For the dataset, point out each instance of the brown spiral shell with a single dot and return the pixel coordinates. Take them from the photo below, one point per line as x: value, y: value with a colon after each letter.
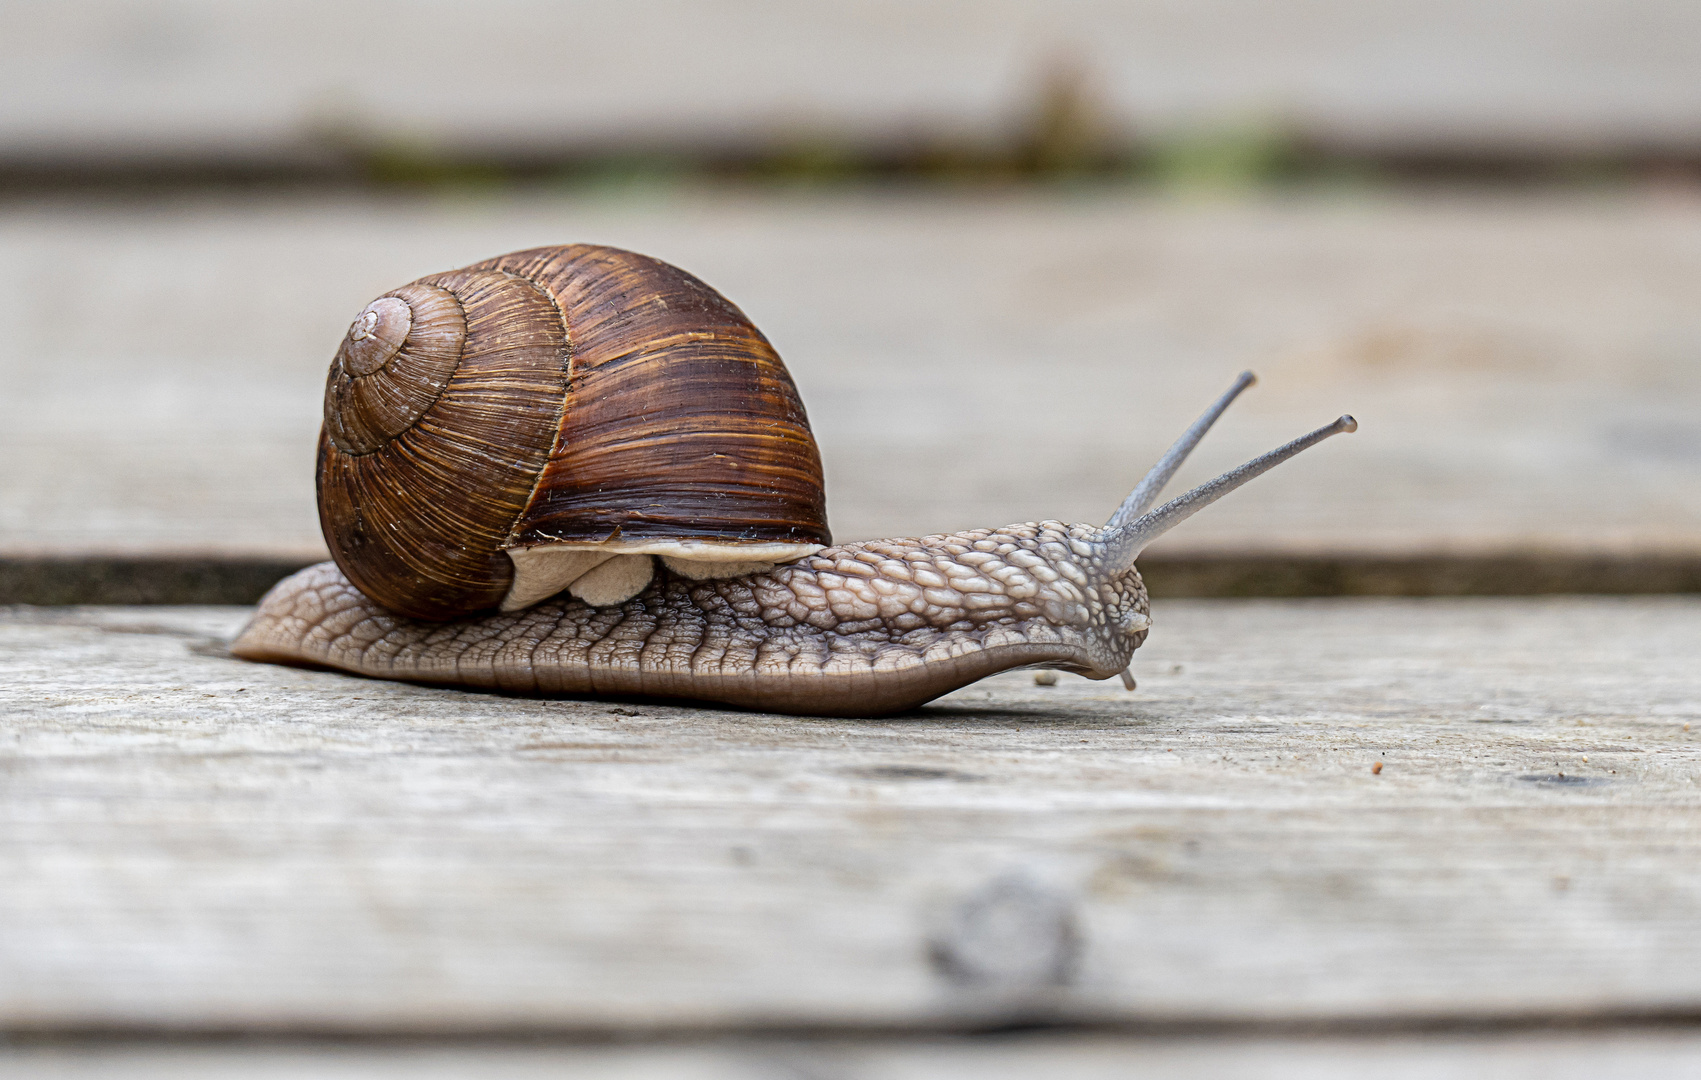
x: 576, y: 393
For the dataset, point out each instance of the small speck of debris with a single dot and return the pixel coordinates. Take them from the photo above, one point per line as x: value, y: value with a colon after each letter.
x: 1045, y: 678
x: 1561, y: 882
x: 1175, y: 669
x: 1686, y: 727
x: 1376, y: 769
x: 1585, y: 757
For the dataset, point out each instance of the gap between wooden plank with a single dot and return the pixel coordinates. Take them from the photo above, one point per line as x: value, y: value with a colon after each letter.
x: 438, y: 1034
x: 95, y: 579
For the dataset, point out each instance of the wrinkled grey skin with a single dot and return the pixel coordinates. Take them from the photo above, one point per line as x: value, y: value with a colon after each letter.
x: 859, y: 630
x: 863, y: 629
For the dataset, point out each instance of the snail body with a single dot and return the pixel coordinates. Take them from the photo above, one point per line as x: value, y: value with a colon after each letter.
x: 859, y: 630
x: 706, y: 574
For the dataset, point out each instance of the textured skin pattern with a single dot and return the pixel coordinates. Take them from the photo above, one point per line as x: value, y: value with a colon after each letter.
x: 859, y: 630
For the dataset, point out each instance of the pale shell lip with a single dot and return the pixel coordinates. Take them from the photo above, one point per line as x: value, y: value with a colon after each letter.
x: 701, y: 550
x: 542, y: 570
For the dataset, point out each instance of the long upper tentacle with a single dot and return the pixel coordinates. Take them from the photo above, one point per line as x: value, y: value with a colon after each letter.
x: 1146, y: 492
x: 1127, y: 541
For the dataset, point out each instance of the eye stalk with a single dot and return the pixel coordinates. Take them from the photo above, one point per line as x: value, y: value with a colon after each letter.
x: 1133, y: 526
x: 1146, y: 492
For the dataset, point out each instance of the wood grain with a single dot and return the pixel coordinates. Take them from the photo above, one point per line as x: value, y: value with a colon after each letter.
x: 1522, y: 368
x: 1631, y: 1054
x: 190, y: 842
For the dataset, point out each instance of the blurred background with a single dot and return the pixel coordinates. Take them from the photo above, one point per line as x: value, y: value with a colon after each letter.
x: 1008, y: 249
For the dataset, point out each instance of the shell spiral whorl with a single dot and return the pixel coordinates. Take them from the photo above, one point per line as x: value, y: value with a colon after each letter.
x: 426, y: 462
x: 393, y: 365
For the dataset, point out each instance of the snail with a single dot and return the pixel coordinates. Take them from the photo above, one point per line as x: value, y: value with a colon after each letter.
x: 581, y: 471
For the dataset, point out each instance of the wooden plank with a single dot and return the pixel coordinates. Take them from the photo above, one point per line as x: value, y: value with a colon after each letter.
x: 1631, y: 1054
x: 193, y: 843
x: 265, y: 82
x: 1519, y: 366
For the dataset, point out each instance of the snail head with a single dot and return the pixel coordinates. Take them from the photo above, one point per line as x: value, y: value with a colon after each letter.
x: 1101, y: 561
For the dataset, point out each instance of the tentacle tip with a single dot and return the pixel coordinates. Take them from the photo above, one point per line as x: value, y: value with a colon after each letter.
x: 1246, y: 379
x: 1346, y: 424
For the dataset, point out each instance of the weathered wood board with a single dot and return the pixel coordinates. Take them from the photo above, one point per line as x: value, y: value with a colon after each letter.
x: 267, y: 81
x: 1630, y: 1054
x: 191, y: 842
x: 1527, y: 372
